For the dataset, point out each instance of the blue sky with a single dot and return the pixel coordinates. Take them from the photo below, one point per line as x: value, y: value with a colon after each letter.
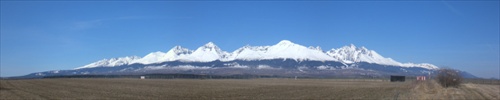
x: 51, y: 35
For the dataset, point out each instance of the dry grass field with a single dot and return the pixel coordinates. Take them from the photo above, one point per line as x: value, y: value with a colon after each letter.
x: 431, y: 90
x: 234, y: 89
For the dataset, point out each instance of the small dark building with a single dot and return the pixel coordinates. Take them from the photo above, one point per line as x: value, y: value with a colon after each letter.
x: 397, y: 78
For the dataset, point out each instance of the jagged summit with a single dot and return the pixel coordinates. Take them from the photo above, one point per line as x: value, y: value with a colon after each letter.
x: 210, y: 45
x: 206, y: 53
x: 316, y: 48
x: 179, y: 50
x: 177, y: 47
x: 158, y: 56
x: 284, y: 49
x: 353, y: 54
x: 351, y: 46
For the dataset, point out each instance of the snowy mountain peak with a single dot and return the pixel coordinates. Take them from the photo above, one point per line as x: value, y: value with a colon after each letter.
x: 353, y: 48
x: 210, y: 45
x: 285, y: 42
x: 158, y: 56
x: 352, y: 45
x: 316, y: 48
x: 246, y: 46
x: 206, y: 53
x: 285, y: 49
x: 111, y: 62
x: 363, y: 48
x: 179, y: 50
x: 132, y: 57
x: 353, y: 54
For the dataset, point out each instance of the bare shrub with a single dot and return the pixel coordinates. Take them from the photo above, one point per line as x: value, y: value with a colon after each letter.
x: 449, y: 77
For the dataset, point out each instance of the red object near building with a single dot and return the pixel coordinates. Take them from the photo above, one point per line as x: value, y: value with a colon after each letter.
x: 420, y: 78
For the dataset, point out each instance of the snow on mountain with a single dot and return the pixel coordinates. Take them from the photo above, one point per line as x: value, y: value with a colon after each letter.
x: 158, y: 57
x: 249, y: 53
x: 423, y: 65
x: 316, y: 48
x: 206, y: 53
x: 284, y: 49
x: 352, y: 54
x: 288, y: 49
x: 111, y: 62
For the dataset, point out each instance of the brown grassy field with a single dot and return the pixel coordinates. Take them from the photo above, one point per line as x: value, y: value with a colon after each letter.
x: 430, y: 90
x: 233, y: 89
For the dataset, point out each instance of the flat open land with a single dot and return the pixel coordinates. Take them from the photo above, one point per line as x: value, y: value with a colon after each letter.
x: 430, y: 90
x: 237, y: 89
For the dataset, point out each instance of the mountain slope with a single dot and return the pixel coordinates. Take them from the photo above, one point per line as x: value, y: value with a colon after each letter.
x: 111, y: 62
x: 284, y: 49
x: 158, y: 57
x: 353, y: 54
x: 206, y: 53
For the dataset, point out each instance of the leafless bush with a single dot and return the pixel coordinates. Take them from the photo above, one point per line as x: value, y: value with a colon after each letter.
x: 449, y: 77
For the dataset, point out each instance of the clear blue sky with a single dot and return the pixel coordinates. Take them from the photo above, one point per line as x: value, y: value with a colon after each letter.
x: 53, y: 35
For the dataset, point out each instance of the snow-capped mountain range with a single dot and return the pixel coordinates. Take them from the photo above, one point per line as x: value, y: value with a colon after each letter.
x: 285, y: 49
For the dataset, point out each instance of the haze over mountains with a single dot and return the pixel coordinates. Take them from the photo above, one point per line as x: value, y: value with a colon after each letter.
x: 283, y: 59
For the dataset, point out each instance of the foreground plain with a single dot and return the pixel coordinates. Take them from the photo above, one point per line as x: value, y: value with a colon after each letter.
x: 235, y: 89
